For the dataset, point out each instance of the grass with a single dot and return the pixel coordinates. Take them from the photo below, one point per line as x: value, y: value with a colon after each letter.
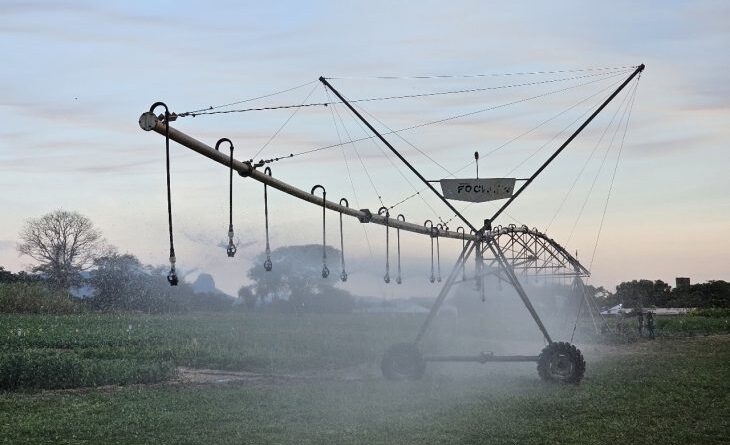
x: 240, y: 342
x: 671, y: 390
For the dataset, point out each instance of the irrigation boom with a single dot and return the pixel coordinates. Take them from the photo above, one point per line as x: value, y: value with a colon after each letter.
x: 247, y: 170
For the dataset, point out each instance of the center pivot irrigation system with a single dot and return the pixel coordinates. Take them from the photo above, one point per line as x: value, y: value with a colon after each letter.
x: 501, y: 252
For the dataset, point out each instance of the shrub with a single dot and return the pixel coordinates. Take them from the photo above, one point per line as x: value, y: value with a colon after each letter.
x: 716, y: 312
x: 35, y: 298
x: 36, y: 369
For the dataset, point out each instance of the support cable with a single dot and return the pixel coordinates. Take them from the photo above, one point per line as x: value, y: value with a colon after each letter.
x: 623, y: 107
x: 407, y: 142
x: 577, y: 316
x: 384, y: 141
x: 446, y: 119
x: 195, y: 112
x: 575, y: 134
x: 468, y: 76
x: 293, y: 113
x: 553, y: 118
x: 613, y: 175
x: 354, y: 193
x: 333, y: 111
x: 575, y: 181
x: 402, y: 175
x: 516, y: 138
x: 210, y: 110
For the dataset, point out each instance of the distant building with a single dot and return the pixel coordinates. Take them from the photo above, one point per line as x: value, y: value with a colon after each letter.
x: 682, y: 284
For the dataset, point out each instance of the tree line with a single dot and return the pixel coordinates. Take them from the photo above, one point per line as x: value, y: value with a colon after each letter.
x: 657, y: 293
x: 70, y: 251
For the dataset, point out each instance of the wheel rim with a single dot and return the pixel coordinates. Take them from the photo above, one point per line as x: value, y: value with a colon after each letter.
x: 561, y: 366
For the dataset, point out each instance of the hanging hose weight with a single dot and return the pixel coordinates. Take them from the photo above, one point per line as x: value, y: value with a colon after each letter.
x: 231, y: 248
x: 400, y: 217
x: 343, y: 274
x: 428, y: 223
x: 325, y: 269
x: 383, y: 211
x: 268, y: 265
x: 149, y: 120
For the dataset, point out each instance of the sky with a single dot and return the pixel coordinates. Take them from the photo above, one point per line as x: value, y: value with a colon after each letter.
x: 77, y: 75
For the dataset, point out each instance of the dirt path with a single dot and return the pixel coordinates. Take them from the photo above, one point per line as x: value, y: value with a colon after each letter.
x: 190, y: 376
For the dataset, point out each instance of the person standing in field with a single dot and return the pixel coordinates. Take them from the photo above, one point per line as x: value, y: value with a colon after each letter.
x: 650, y: 324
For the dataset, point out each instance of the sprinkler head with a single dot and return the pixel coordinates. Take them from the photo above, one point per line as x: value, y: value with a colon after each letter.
x: 343, y: 276
x: 231, y: 249
x: 268, y: 265
x: 325, y: 271
x: 386, y: 278
x: 172, y: 278
x: 398, y: 280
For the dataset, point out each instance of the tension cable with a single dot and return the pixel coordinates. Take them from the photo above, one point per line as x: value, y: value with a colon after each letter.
x: 191, y: 113
x: 615, y: 168
x: 446, y: 119
x: 468, y: 76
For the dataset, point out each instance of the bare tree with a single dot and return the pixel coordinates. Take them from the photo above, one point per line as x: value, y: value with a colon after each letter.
x: 64, y: 243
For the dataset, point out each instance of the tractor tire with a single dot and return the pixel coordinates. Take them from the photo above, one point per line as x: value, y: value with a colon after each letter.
x: 403, y: 361
x: 561, y: 362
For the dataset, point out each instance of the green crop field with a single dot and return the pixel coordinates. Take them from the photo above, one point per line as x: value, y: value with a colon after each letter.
x: 315, y: 379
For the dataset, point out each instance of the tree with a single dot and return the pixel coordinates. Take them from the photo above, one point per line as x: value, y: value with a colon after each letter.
x: 643, y: 293
x: 122, y: 283
x: 714, y: 293
x: 296, y: 277
x: 64, y: 243
x: 246, y: 294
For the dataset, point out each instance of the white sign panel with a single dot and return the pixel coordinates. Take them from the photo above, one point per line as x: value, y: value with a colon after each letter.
x: 478, y: 190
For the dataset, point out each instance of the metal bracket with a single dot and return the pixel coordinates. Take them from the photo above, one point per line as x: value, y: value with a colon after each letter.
x: 366, y: 217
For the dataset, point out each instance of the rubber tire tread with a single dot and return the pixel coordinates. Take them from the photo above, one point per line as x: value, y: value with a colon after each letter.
x: 575, y: 356
x: 399, y: 351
